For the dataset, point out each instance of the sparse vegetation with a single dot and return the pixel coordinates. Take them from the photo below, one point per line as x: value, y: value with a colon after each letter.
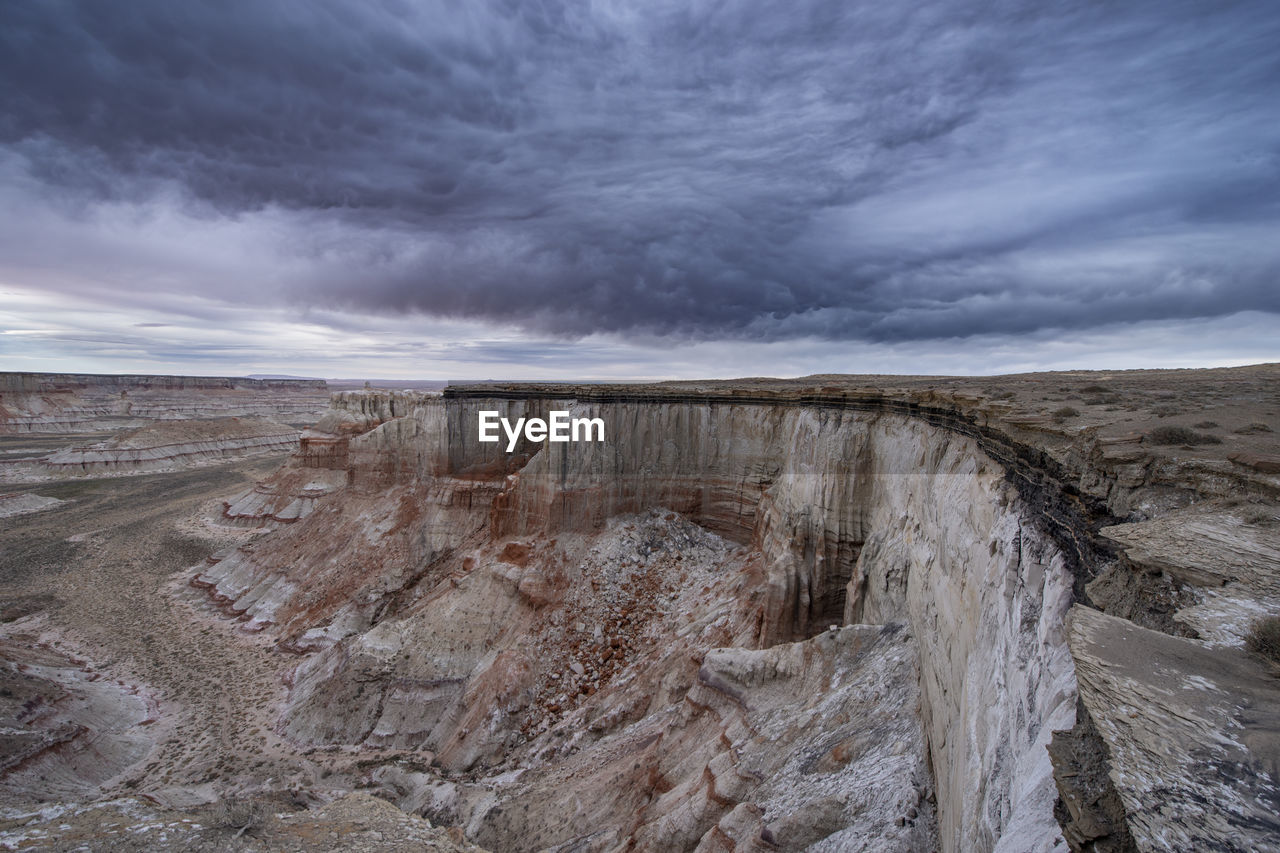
x: 1259, y: 516
x: 1166, y: 411
x: 240, y: 815
x: 1255, y: 427
x: 1180, y: 435
x: 1207, y: 425
x: 1264, y: 638
x: 1064, y: 413
x: 1002, y: 395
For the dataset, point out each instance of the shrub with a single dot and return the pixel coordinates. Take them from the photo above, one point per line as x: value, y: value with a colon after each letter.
x: 1256, y: 426
x: 1064, y: 413
x: 1207, y: 425
x: 240, y: 815
x: 1166, y: 411
x: 1259, y: 516
x: 1264, y: 638
x: 1095, y: 389
x: 1180, y: 435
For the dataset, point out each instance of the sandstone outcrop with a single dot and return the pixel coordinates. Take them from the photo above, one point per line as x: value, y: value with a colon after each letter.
x: 65, y: 732
x: 286, y: 497
x: 174, y: 444
x: 632, y: 641
x: 437, y: 534
x: 155, y: 447
x: 1193, y: 735
x: 79, y: 403
x: 1228, y: 552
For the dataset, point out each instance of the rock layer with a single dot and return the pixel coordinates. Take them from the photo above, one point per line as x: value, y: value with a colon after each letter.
x: 66, y: 732
x: 875, y: 517
x: 73, y: 402
x: 1193, y: 735
x: 520, y: 617
x: 171, y: 445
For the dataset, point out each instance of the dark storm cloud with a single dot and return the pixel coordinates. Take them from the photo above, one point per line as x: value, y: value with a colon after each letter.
x: 728, y: 169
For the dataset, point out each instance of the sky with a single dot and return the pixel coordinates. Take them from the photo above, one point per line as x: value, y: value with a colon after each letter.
x: 611, y: 189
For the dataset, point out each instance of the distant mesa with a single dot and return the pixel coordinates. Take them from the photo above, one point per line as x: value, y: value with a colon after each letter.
x: 81, y: 403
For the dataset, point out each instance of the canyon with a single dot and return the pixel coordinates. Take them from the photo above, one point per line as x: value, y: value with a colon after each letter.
x: 831, y: 613
x: 59, y: 426
x: 83, y: 403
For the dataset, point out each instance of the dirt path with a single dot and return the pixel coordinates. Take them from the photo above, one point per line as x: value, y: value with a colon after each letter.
x: 106, y: 558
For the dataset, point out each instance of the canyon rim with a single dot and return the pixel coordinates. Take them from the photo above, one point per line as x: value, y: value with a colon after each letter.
x: 834, y: 613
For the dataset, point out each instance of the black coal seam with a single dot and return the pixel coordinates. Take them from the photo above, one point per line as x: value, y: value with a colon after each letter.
x: 1069, y: 518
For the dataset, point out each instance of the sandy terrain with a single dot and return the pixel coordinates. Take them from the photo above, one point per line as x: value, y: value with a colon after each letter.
x: 108, y: 554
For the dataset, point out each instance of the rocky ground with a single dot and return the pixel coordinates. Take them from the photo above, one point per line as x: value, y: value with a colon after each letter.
x: 832, y: 613
x: 90, y: 600
x: 354, y: 823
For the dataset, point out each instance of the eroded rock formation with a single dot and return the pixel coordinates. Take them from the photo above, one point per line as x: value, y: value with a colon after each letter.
x: 161, y: 446
x: 66, y: 732
x: 825, y: 614
x: 459, y: 602
x: 74, y: 403
x: 164, y: 446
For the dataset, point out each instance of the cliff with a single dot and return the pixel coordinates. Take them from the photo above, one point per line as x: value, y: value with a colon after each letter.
x: 73, y: 402
x: 167, y: 445
x: 174, y: 444
x: 643, y: 627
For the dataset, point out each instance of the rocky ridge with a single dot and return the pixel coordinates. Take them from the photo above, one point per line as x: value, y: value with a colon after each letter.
x: 81, y: 403
x: 948, y: 508
x: 159, y: 446
x: 901, y: 613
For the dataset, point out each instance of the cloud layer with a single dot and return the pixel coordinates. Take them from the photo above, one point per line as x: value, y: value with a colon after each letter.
x: 698, y: 171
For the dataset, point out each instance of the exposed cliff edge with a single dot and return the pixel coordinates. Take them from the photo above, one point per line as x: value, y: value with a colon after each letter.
x: 159, y: 446
x: 75, y: 402
x: 66, y: 732
x: 634, y: 639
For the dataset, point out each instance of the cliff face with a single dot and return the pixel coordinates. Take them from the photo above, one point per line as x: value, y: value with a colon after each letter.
x: 167, y: 445
x: 648, y: 629
x: 835, y: 517
x: 71, y: 402
x: 173, y: 444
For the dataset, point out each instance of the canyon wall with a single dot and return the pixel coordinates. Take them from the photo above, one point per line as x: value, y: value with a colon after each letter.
x: 173, y: 445
x: 622, y: 642
x: 842, y: 517
x: 858, y: 517
x: 74, y: 402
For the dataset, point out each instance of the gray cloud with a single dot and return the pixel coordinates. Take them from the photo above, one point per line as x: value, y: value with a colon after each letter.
x: 720, y: 170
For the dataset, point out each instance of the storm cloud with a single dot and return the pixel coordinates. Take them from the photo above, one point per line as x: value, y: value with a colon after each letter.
x: 699, y: 171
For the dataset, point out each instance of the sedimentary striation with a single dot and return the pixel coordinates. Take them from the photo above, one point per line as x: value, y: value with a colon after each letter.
x: 785, y: 615
x: 174, y: 444
x: 160, y: 446
x: 78, y: 403
x: 837, y: 613
x: 65, y: 731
